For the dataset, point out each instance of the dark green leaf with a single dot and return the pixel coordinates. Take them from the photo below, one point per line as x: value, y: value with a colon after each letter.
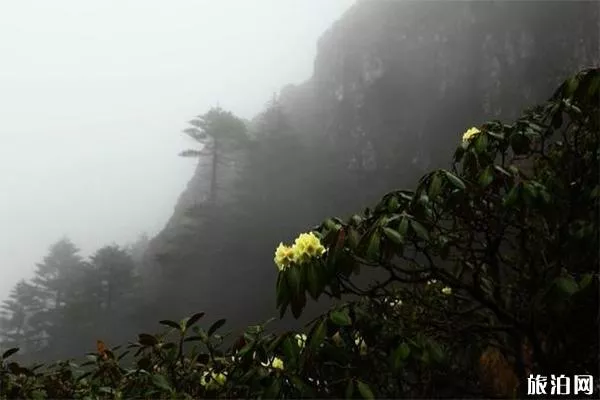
x: 585, y: 281
x: 9, y: 352
x: 282, y: 290
x: 419, y: 230
x: 318, y: 335
x: 481, y: 143
x: 486, y: 177
x: 435, y: 186
x: 373, y: 248
x: 349, y: 389
x: 147, y: 340
x: 213, y: 328
x: 161, y: 382
x: 365, y: 390
x: 567, y: 285
x: 273, y: 390
x: 340, y: 317
x: 394, y: 236
x: 294, y: 280
x: 193, y: 319
x: 520, y: 143
x: 298, y: 304
x: 399, y: 355
x: 403, y: 227
x: 170, y: 323
x: 513, y: 196
x: 455, y: 180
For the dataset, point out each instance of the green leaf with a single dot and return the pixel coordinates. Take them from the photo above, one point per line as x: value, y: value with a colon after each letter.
x: 170, y: 323
x: 193, y: 319
x: 394, y: 236
x: 419, y: 230
x: 365, y: 390
x: 298, y: 304
x: 340, y: 317
x: 349, y: 389
x: 161, y: 382
x: 435, y: 186
x: 567, y: 285
x: 486, y: 177
x: 571, y: 86
x: 520, y: 143
x: 373, y: 248
x: 399, y: 355
x: 318, y: 335
x: 213, y: 328
x: 585, y: 281
x: 294, y: 280
x: 455, y: 180
x: 481, y: 143
x: 436, y: 351
x: 9, y: 352
x: 403, y: 227
x: 513, y: 196
x: 282, y: 290
x: 147, y: 340
x: 273, y: 390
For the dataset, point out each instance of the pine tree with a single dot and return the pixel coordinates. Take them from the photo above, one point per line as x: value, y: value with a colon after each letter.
x: 219, y: 132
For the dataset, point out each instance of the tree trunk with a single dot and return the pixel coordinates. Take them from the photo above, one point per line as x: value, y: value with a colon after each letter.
x: 213, y: 178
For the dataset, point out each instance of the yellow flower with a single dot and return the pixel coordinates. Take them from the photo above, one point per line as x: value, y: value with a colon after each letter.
x: 275, y: 363
x: 307, y: 246
x: 212, y: 380
x: 447, y: 291
x: 360, y: 342
x: 470, y: 134
x: 284, y: 255
x: 301, y: 340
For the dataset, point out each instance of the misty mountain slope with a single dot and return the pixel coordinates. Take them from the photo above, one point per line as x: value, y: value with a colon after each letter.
x: 394, y: 85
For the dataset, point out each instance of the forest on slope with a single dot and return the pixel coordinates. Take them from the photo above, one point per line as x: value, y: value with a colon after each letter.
x: 393, y: 84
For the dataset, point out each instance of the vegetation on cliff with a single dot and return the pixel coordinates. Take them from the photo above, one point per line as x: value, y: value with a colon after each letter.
x: 489, y: 273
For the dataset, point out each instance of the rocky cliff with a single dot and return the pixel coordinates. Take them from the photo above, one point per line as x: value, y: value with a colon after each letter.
x: 395, y: 84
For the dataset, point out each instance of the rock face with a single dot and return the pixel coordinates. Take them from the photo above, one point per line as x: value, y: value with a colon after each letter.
x: 399, y: 71
x: 395, y: 84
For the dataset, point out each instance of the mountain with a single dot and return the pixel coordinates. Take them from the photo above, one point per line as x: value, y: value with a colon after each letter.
x: 394, y: 86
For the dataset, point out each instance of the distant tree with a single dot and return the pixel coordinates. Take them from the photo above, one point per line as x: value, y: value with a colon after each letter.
x: 55, y: 275
x: 114, y: 270
x: 59, y: 286
x: 218, y: 131
x: 16, y: 324
x: 114, y: 285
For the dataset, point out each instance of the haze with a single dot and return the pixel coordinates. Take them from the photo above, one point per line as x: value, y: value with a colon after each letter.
x: 94, y: 95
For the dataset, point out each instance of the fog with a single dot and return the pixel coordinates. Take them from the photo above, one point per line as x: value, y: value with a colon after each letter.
x: 94, y: 95
x: 290, y: 113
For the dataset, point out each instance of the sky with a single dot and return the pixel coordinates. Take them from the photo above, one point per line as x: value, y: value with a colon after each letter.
x: 94, y: 95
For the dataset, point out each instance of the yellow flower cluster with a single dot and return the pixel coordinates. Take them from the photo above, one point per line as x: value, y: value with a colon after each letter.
x: 306, y: 246
x: 470, y: 134
x: 212, y: 380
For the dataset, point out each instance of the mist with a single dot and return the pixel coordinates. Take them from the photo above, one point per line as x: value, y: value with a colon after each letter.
x: 94, y: 96
x: 238, y: 159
